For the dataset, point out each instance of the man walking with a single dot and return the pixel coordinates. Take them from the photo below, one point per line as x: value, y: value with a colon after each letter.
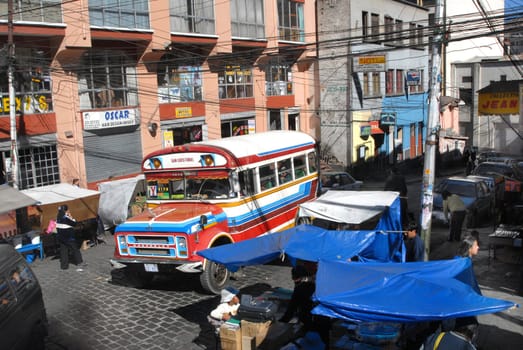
x: 452, y: 203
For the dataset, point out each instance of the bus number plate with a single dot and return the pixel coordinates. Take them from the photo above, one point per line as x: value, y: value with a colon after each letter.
x: 151, y: 267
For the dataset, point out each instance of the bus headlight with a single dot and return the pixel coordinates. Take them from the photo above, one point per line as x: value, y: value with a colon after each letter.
x: 122, y: 244
x: 181, y: 247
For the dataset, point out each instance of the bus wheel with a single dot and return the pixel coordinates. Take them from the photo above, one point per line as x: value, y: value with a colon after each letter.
x: 214, y: 277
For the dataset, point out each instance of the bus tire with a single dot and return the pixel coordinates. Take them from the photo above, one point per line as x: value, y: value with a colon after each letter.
x: 214, y: 277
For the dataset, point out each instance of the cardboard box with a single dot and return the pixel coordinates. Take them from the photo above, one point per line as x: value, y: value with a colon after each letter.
x: 248, y: 343
x: 279, y: 334
x: 256, y: 330
x: 230, y: 339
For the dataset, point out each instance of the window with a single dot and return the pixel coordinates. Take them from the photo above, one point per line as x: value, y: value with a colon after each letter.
x: 32, y: 83
x: 412, y: 35
x: 376, y: 84
x: 399, y: 32
x: 235, y: 127
x: 371, y: 84
x: 400, y: 81
x: 186, y: 134
x: 284, y: 171
x: 419, y: 37
x: 375, y: 26
x: 235, y: 82
x: 48, y: 11
x: 38, y: 166
x: 275, y: 120
x: 107, y: 79
x: 178, y: 83
x: 366, y: 85
x: 300, y: 167
x: 389, y: 29
x: 119, y: 13
x: 365, y: 25
x: 267, y: 177
x: 278, y: 79
x: 312, y: 162
x: 247, y: 18
x: 291, y: 21
x: 192, y: 16
x: 389, y: 82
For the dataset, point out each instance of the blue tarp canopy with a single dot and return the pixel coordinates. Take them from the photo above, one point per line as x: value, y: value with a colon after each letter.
x: 309, y: 243
x: 408, y: 292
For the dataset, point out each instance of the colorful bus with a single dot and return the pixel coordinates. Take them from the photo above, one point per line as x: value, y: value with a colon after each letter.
x: 205, y: 194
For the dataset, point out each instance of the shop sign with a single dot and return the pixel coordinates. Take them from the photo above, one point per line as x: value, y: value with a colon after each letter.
x: 110, y: 119
x: 375, y: 127
x: 388, y: 119
x: 501, y: 103
x: 365, y: 131
x: 183, y: 112
x: 413, y: 77
x: 29, y: 104
x: 376, y: 63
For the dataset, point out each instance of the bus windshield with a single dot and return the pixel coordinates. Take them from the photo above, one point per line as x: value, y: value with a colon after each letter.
x: 190, y: 186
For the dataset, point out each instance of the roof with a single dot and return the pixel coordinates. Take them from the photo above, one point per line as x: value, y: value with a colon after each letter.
x: 502, y: 86
x: 58, y: 193
x: 13, y: 199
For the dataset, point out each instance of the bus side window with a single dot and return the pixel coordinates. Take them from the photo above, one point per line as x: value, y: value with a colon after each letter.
x: 299, y: 167
x: 6, y: 297
x: 247, y: 182
x: 312, y: 162
x: 267, y: 177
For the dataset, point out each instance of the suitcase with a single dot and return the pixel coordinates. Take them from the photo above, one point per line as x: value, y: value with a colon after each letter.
x: 256, y: 310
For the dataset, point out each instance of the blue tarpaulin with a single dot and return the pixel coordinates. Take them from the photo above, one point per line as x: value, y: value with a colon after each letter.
x: 408, y: 292
x: 310, y: 243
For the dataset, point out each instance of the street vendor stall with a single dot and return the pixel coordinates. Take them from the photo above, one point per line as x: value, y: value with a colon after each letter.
x: 82, y: 203
x: 12, y: 199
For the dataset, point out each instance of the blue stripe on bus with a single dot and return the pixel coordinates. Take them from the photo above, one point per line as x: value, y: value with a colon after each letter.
x: 304, y: 191
x: 285, y: 149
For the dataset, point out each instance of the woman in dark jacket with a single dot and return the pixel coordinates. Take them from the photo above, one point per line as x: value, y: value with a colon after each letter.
x: 65, y: 228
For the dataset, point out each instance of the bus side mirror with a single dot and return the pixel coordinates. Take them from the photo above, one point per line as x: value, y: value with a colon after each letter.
x: 203, y: 221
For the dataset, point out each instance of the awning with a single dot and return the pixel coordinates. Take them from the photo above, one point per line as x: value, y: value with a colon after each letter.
x: 13, y: 199
x: 82, y: 202
x: 375, y: 128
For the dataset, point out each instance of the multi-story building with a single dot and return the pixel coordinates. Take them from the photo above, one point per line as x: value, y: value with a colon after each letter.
x: 373, y: 61
x: 496, y: 122
x: 101, y: 83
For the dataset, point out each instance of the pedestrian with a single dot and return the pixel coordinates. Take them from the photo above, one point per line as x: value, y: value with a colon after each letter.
x: 65, y: 224
x: 469, y: 246
x: 415, y: 248
x: 453, y: 204
x: 396, y: 182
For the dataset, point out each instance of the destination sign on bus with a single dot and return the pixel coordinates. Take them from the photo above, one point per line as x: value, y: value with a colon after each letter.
x: 184, y: 160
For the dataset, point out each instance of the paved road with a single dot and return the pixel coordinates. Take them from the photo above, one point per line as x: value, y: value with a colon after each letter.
x: 93, y: 310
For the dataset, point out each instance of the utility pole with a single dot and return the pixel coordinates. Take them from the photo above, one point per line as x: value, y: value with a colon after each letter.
x: 433, y: 125
x: 12, y: 94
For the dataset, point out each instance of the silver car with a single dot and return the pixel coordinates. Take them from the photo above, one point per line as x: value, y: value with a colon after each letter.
x: 339, y: 180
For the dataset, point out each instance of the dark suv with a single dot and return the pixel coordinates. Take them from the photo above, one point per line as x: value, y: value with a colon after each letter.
x: 23, y: 321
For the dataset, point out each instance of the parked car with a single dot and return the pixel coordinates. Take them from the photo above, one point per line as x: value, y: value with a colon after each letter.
x: 23, y: 324
x: 338, y: 180
x: 511, y: 173
x: 496, y: 184
x: 476, y: 195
